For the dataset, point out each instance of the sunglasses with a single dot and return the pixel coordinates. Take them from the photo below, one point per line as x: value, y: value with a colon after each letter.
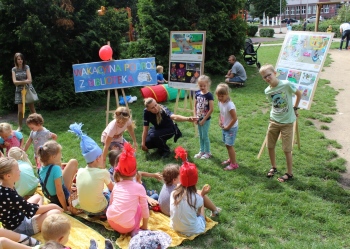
x: 124, y: 114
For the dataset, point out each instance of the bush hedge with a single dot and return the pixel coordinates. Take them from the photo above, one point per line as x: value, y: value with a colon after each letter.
x: 266, y: 32
x: 322, y: 27
x: 251, y: 30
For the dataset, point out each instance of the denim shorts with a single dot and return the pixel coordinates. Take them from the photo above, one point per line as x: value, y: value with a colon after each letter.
x: 229, y: 137
x: 28, y: 227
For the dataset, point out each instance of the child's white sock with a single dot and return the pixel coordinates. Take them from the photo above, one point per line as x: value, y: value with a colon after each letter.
x: 27, y: 240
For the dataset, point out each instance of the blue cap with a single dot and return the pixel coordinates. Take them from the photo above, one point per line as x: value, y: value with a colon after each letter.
x: 89, y: 148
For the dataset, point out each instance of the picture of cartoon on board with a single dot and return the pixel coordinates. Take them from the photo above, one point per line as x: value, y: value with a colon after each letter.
x: 184, y: 72
x: 294, y: 76
x: 308, y: 79
x: 187, y: 46
x: 282, y: 73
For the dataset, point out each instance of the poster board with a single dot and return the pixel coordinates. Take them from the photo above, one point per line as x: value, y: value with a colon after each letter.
x: 186, y: 58
x: 114, y: 74
x: 301, y: 60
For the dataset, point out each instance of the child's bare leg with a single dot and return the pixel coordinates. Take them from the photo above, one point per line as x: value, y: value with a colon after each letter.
x: 69, y: 172
x: 272, y: 156
x: 6, y: 243
x: 289, y: 160
x: 16, y: 237
x: 37, y: 199
x: 231, y: 153
x: 207, y: 202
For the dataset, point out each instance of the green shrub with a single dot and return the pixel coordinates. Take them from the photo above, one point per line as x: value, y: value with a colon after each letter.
x: 266, y: 32
x: 322, y: 27
x: 252, y: 29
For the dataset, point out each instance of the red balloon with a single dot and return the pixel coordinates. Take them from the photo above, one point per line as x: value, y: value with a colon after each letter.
x: 105, y: 53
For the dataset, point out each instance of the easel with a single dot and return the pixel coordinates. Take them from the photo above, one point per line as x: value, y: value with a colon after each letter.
x: 296, y: 138
x: 185, y: 109
x: 116, y: 98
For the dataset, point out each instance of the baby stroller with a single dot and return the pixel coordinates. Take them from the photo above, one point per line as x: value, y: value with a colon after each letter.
x: 249, y: 54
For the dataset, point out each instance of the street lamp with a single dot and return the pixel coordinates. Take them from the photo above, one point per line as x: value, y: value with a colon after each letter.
x: 280, y: 16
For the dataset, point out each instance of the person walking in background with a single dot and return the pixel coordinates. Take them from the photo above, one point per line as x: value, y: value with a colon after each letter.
x: 21, y: 76
x: 345, y: 31
x: 282, y: 116
x: 304, y: 24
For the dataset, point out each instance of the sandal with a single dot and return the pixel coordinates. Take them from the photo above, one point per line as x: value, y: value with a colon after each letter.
x: 232, y: 166
x: 284, y: 179
x: 226, y: 162
x: 271, y: 172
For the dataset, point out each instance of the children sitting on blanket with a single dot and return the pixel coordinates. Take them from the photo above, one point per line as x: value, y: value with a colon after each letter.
x: 16, y: 213
x: 128, y: 204
x: 171, y: 179
x: 186, y: 203
x: 152, y: 195
x: 28, y: 182
x: 56, y: 184
x: 93, y: 199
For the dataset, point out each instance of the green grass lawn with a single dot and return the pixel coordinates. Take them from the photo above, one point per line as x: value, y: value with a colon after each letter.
x: 310, y: 211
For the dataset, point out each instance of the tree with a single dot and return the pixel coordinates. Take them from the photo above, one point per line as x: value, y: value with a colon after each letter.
x: 270, y: 7
x: 53, y: 35
x: 225, y: 35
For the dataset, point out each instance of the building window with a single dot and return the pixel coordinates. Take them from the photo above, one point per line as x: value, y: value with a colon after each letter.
x: 292, y: 10
x: 303, y: 8
x: 287, y: 10
x: 326, y: 8
x: 298, y: 10
x: 314, y: 9
x: 309, y: 9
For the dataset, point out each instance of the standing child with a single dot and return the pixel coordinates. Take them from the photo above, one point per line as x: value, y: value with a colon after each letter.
x: 17, y: 214
x: 28, y: 182
x: 187, y: 214
x: 203, y: 107
x: 171, y: 179
x: 229, y: 124
x: 38, y: 135
x: 128, y: 204
x: 282, y: 116
x: 112, y: 136
x: 56, y: 184
x: 160, y: 77
x: 93, y: 199
x: 9, y: 138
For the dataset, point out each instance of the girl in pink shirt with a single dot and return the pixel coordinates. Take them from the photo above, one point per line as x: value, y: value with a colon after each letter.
x: 128, y: 203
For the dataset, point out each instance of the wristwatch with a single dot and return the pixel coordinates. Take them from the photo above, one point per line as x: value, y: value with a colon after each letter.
x: 295, y: 108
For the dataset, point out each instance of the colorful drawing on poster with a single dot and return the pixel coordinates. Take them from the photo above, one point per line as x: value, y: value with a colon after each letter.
x: 308, y: 78
x: 183, y: 44
x: 305, y: 93
x: 294, y: 76
x: 184, y: 72
x: 282, y: 73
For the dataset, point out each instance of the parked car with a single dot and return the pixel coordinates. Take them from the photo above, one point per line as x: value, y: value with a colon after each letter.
x: 249, y: 19
x: 270, y: 21
x: 256, y: 19
x: 292, y: 20
x: 312, y: 19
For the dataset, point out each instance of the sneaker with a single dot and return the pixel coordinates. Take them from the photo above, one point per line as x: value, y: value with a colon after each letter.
x: 199, y: 155
x: 206, y: 156
x: 108, y: 244
x: 215, y: 213
x: 232, y: 166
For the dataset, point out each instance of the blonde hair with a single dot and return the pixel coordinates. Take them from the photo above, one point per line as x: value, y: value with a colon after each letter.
x: 19, y: 154
x: 52, y: 245
x: 35, y: 118
x: 222, y: 89
x: 121, y: 117
x: 50, y: 148
x: 5, y: 127
x: 158, y: 68
x: 6, y: 164
x: 148, y: 101
x: 55, y: 226
x: 204, y: 78
x: 266, y: 67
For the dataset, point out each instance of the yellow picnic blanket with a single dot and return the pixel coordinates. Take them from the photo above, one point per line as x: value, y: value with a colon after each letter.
x: 160, y: 222
x: 80, y: 235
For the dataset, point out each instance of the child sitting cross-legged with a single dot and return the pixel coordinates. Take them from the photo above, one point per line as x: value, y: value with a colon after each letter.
x: 186, y: 203
x: 17, y: 214
x: 92, y: 179
x: 128, y: 204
